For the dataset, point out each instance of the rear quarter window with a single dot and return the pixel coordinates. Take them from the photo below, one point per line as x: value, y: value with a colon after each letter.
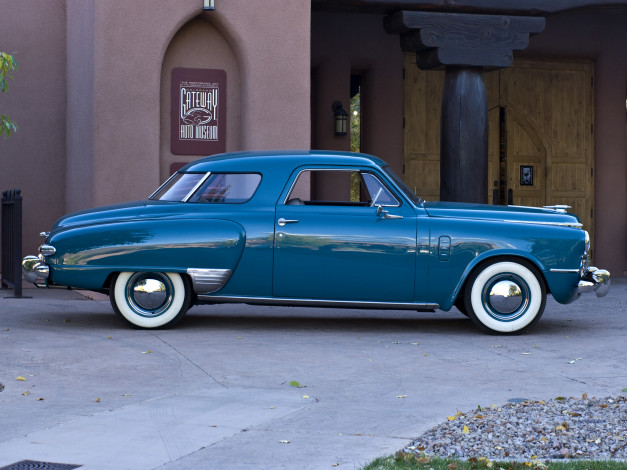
x: 209, y: 188
x: 227, y: 188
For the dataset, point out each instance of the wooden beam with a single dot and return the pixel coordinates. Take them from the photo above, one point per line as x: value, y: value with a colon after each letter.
x: 464, y: 137
x: 464, y: 45
x: 458, y: 39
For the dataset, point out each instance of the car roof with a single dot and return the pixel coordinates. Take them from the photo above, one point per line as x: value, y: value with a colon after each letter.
x: 267, y: 159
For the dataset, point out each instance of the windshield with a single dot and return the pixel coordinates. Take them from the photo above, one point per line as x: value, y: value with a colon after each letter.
x: 399, y: 182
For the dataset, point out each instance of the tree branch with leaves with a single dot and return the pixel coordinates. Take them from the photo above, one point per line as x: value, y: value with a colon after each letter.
x: 7, y: 65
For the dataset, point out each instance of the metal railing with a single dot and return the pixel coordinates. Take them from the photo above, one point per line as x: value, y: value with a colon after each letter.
x: 11, y: 241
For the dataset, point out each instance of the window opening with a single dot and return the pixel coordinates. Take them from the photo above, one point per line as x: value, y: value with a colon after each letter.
x: 368, y: 191
x: 355, y: 113
x: 355, y: 126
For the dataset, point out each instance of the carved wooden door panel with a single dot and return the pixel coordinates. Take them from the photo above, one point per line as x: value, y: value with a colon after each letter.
x: 423, y: 101
x: 541, y: 147
x: 549, y: 131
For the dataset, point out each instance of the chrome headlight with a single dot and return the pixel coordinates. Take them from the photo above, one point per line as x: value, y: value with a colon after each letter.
x: 587, y: 249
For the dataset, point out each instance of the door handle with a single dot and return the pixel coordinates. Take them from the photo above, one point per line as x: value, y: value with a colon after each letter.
x: 386, y: 215
x: 283, y: 221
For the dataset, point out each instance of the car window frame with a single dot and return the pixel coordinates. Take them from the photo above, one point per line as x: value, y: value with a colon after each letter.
x: 174, y: 175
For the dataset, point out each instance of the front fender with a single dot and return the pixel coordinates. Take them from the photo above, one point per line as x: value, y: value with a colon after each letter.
x: 473, y: 242
x: 85, y: 256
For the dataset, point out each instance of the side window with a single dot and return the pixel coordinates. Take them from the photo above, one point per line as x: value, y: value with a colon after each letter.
x: 339, y: 188
x: 227, y: 188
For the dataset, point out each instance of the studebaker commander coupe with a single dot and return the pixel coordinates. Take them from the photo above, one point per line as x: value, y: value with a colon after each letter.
x: 313, y: 228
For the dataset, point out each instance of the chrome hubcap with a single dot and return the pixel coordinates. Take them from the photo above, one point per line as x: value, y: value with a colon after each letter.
x: 506, y: 296
x: 149, y: 294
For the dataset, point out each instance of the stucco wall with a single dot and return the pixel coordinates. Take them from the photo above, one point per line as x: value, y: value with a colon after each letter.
x: 352, y: 43
x: 130, y: 44
x: 199, y: 44
x: 87, y: 95
x: 33, y: 159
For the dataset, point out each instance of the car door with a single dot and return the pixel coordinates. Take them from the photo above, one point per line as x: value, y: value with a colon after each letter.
x: 344, y: 234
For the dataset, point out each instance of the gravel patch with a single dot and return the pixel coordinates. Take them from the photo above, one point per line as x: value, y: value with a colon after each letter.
x: 563, y: 428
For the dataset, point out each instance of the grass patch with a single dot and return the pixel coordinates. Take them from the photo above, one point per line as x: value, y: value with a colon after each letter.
x: 406, y: 461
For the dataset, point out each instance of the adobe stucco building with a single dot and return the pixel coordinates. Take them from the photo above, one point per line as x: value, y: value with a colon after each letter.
x: 95, y: 103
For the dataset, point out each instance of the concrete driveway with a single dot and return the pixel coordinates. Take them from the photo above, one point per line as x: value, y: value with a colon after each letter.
x: 80, y: 387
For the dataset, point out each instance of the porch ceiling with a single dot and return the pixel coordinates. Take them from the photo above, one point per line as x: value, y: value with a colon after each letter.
x: 509, y: 7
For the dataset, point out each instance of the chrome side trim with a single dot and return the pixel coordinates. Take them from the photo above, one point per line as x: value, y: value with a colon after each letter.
x: 162, y: 185
x: 285, y: 301
x: 206, y: 281
x: 559, y: 224
x: 565, y: 270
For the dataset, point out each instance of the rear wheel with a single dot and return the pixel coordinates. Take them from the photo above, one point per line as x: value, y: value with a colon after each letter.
x: 150, y: 300
x: 505, y: 296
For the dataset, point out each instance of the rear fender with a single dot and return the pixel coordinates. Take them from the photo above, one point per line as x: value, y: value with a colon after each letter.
x: 86, y: 256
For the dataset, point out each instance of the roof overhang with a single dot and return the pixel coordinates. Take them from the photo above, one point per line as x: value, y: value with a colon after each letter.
x: 508, y: 7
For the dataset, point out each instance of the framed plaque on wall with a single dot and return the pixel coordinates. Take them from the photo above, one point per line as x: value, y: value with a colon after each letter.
x: 198, y: 111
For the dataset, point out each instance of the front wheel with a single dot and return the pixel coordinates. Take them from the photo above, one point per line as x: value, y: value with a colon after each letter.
x: 505, y: 297
x: 150, y: 300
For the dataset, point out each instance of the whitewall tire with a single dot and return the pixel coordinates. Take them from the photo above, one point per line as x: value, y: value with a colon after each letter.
x: 505, y: 296
x: 150, y: 300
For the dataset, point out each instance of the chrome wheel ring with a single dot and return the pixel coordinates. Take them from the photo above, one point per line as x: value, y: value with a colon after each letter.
x: 149, y: 294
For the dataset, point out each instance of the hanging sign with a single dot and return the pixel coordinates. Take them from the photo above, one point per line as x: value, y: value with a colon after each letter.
x: 198, y: 111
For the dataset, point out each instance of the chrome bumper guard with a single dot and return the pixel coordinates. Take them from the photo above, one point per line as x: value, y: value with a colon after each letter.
x: 594, y: 280
x: 35, y: 268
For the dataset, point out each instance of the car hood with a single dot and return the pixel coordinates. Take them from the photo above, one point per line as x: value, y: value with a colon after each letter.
x: 460, y: 210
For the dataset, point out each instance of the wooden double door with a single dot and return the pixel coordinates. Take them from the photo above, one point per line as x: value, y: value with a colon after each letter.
x: 541, y: 126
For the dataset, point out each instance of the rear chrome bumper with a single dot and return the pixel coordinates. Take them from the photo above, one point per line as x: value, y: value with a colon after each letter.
x: 35, y: 267
x: 594, y: 280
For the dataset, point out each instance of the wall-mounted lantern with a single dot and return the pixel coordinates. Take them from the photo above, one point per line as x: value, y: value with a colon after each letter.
x: 208, y: 5
x: 341, y: 118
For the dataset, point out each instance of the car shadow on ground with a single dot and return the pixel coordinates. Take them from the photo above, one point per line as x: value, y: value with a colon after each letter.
x: 339, y: 324
x: 241, y: 317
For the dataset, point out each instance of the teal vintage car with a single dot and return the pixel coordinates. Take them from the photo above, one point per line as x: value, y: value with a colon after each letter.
x: 313, y: 228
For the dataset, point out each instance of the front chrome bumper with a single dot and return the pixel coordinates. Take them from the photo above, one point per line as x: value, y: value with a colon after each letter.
x: 594, y: 280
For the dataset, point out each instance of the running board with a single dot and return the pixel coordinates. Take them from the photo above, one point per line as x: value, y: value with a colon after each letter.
x: 279, y: 301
